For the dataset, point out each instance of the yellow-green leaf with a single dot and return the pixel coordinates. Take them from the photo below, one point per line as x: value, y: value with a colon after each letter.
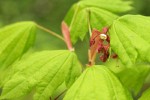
x: 15, y: 40
x: 145, y: 95
x: 97, y: 83
x: 129, y: 38
x: 139, y: 73
x: 45, y: 71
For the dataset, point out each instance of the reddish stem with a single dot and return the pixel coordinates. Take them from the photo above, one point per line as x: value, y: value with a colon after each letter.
x: 66, y: 34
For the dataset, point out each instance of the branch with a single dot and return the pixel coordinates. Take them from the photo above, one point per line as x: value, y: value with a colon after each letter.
x: 51, y: 32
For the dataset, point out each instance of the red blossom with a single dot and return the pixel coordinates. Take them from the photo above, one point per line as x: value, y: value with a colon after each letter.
x: 97, y: 44
x: 105, y: 53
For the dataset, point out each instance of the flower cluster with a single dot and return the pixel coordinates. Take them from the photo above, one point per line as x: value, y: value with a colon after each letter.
x: 100, y: 43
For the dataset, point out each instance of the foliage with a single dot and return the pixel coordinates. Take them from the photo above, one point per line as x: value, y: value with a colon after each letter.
x: 21, y: 35
x: 44, y: 73
x: 94, y: 14
x: 130, y: 41
x: 146, y: 95
x: 97, y: 83
x: 46, y: 70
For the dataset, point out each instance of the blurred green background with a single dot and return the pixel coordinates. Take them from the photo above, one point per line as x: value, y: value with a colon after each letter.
x: 48, y: 12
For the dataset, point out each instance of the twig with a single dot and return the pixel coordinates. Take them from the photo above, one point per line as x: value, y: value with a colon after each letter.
x: 51, y: 32
x: 89, y: 25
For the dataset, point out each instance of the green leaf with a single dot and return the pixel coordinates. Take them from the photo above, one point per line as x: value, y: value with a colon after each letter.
x: 99, y: 20
x: 80, y: 25
x: 139, y: 73
x: 15, y: 40
x: 94, y: 14
x: 73, y: 72
x: 145, y: 95
x: 130, y: 38
x: 97, y: 83
x: 60, y: 90
x: 135, y: 83
x: 45, y: 71
x: 117, y: 6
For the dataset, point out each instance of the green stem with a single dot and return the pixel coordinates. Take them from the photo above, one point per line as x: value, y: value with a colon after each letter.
x: 74, y: 15
x: 51, y: 32
x: 89, y: 25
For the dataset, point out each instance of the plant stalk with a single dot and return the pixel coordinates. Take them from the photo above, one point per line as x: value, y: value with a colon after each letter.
x: 51, y: 32
x: 66, y: 34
